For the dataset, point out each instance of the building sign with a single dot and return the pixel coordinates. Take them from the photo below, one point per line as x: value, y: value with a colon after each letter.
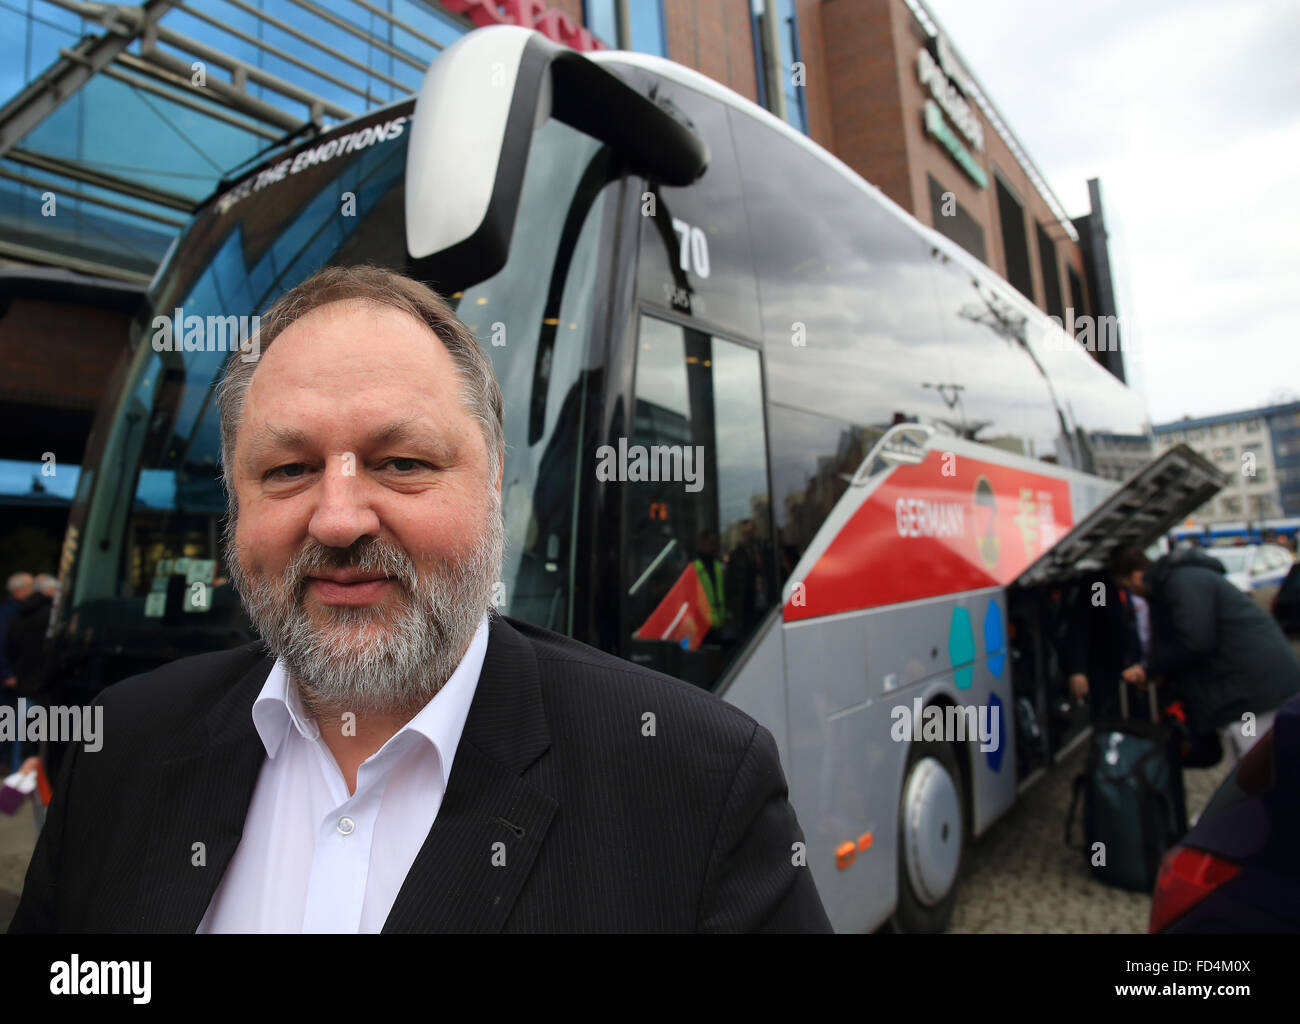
x: 949, y: 95
x: 953, y: 70
x: 530, y: 14
x: 938, y: 127
x: 948, y: 86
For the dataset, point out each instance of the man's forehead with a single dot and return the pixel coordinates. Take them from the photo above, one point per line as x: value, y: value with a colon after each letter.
x: 352, y: 308
x: 346, y: 353
x: 353, y: 334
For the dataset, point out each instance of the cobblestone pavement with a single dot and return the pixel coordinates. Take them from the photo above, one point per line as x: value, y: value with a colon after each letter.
x: 1021, y: 877
x: 17, y: 840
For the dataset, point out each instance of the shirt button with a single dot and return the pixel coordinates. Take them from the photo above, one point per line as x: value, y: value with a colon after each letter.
x: 346, y: 826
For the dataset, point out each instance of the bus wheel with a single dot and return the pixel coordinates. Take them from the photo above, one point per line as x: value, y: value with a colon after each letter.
x: 931, y: 838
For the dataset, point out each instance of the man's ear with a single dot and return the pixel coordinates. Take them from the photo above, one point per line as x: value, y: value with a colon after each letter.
x: 501, y: 471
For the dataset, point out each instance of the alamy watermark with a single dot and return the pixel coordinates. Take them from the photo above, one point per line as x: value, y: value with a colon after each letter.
x: 1091, y: 333
x: 182, y: 332
x: 654, y: 463
x: 952, y: 723
x: 29, y: 722
x: 77, y: 977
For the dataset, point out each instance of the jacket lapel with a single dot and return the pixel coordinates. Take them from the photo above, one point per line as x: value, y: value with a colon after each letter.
x: 202, y: 796
x: 474, y: 862
x: 475, y: 859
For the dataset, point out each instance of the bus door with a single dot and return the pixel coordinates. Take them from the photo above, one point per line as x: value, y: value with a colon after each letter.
x: 698, y: 563
x: 1052, y: 605
x: 699, y: 572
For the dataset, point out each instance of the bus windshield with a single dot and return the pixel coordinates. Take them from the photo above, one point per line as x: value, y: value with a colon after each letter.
x: 143, y: 549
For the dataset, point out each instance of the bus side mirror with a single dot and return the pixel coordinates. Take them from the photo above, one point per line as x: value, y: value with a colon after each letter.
x: 474, y: 119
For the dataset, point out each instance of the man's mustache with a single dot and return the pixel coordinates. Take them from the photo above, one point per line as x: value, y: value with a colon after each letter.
x: 366, y: 555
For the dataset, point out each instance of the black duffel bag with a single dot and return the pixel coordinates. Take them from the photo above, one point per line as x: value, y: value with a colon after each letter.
x: 1134, y: 805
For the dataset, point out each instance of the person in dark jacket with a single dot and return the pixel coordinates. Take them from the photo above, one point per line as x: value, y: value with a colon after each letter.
x: 25, y: 638
x: 24, y: 648
x: 18, y: 587
x: 746, y: 583
x: 1100, y: 642
x: 378, y: 622
x: 1218, y: 651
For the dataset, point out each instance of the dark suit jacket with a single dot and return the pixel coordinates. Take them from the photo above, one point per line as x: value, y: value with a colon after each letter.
x: 605, y: 828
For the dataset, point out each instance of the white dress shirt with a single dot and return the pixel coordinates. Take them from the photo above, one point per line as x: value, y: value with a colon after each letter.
x: 314, y: 859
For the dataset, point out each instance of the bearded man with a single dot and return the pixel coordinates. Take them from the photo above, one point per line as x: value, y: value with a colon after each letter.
x: 393, y: 756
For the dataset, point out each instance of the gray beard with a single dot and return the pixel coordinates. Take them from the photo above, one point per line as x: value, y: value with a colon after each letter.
x: 370, y: 662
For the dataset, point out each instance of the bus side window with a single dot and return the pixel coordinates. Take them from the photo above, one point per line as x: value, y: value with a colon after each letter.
x: 698, y: 561
x: 850, y: 326
x: 813, y: 459
x: 852, y: 337
x: 1007, y: 396
x: 1100, y: 411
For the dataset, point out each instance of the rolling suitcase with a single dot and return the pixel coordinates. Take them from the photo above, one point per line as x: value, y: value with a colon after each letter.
x: 1134, y: 806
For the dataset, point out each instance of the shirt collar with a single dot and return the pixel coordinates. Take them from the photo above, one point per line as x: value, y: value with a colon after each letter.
x: 279, y: 707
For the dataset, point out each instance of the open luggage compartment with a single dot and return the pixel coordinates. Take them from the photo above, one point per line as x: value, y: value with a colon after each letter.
x: 1048, y: 721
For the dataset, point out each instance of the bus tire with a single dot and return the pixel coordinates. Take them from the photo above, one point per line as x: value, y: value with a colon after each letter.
x: 931, y: 838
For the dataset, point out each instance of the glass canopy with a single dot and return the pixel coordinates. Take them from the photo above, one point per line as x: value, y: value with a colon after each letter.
x: 117, y: 121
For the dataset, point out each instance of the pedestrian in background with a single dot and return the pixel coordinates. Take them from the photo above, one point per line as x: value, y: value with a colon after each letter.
x: 746, y: 590
x: 25, y: 637
x: 712, y: 573
x: 1211, y: 645
x: 25, y: 652
x: 18, y: 588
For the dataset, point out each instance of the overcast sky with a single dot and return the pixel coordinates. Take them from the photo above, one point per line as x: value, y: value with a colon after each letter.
x: 1189, y: 113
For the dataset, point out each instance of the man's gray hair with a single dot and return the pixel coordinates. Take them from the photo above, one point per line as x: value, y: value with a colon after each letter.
x: 479, y: 388
x: 18, y: 581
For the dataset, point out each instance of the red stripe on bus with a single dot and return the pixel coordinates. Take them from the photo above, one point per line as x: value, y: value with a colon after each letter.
x: 947, y: 525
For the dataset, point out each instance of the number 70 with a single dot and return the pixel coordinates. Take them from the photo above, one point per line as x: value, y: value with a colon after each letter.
x: 694, y: 248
